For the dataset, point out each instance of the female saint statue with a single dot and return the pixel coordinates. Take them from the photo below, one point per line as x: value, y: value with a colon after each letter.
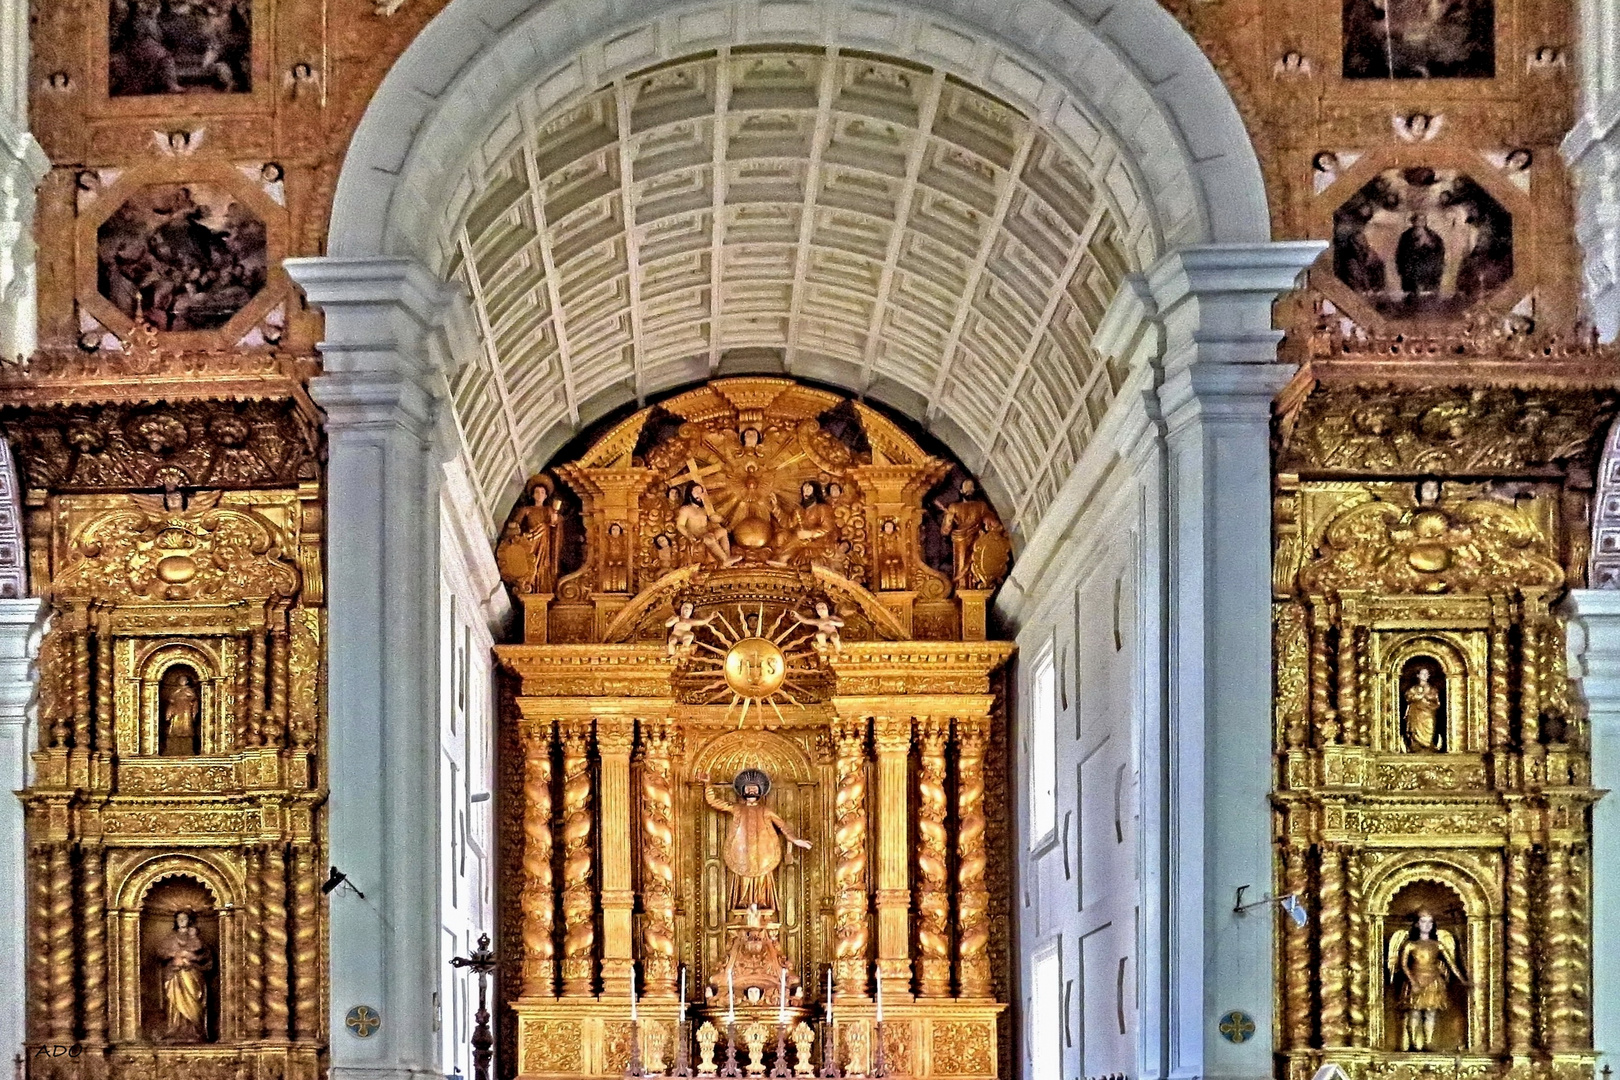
x: 1422, y: 719
x: 180, y: 717
x: 184, y: 962
x: 753, y: 848
x: 1424, y: 958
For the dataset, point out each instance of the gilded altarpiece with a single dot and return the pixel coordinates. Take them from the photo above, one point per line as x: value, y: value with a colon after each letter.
x: 757, y: 606
x: 174, y: 846
x: 1433, y: 785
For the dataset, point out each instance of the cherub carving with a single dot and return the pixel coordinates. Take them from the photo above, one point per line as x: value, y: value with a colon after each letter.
x: 827, y: 625
x: 683, y: 628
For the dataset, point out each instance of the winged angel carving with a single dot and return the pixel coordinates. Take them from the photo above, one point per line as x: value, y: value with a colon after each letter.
x: 1422, y: 959
x: 1473, y: 545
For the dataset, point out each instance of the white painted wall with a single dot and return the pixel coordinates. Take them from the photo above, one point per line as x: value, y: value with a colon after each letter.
x: 473, y: 609
x: 1164, y: 733
x: 22, y: 622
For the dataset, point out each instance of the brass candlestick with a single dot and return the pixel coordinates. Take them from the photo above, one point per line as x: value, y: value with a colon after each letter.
x: 634, y: 1066
x: 683, y: 1067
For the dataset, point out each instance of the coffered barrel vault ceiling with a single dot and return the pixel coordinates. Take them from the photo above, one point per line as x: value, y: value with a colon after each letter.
x: 856, y: 219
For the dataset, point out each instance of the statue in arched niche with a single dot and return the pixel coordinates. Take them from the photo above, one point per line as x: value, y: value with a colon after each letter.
x: 753, y: 847
x: 185, y: 961
x: 1422, y: 960
x: 179, y: 713
x: 1422, y: 698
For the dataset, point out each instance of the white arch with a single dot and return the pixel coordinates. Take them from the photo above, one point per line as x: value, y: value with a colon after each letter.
x: 1128, y: 63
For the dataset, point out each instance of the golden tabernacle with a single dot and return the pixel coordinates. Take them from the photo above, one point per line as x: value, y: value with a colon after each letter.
x: 755, y: 711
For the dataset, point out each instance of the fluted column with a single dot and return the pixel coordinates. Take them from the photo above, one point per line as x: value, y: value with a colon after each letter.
x: 852, y: 920
x: 972, y: 892
x: 657, y: 860
x: 615, y: 739
x: 892, y: 739
x: 933, y: 964
x: 579, y: 906
x: 306, y: 955
x: 94, y: 915
x: 539, y: 891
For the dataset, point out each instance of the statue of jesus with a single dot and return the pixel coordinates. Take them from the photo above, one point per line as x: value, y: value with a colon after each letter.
x: 753, y: 850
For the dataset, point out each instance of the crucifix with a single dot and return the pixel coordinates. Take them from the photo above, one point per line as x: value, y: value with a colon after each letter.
x: 482, y: 964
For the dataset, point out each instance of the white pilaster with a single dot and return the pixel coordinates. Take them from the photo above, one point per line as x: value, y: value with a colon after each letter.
x: 1220, y: 372
x: 1594, y: 646
x: 21, y: 624
x: 1592, y: 151
x: 381, y: 390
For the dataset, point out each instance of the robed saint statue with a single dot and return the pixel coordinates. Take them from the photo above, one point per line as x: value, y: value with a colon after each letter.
x: 753, y: 845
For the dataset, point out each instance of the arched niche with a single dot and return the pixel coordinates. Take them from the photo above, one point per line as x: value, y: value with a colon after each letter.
x: 1461, y: 685
x: 142, y: 913
x: 794, y: 795
x: 162, y: 668
x: 1464, y: 905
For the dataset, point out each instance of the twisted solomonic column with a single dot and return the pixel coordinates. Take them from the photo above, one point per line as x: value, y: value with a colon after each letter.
x: 95, y: 945
x: 972, y: 894
x: 579, y: 906
x: 63, y: 1007
x: 1560, y: 1010
x: 657, y: 860
x: 277, y: 1000
x: 539, y: 889
x: 1520, y: 974
x: 933, y: 963
x: 852, y: 923
x: 1335, y: 965
x: 1298, y: 971
x: 306, y: 948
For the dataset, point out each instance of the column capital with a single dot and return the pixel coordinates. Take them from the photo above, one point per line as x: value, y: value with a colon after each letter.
x: 22, y: 622
x: 379, y: 360
x: 1214, y: 304
x: 1594, y: 645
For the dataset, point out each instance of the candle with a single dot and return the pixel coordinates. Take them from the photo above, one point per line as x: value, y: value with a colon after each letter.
x: 731, y: 1001
x: 781, y: 1001
x: 829, y: 996
x: 683, y: 993
x: 880, y: 996
x: 633, y: 1016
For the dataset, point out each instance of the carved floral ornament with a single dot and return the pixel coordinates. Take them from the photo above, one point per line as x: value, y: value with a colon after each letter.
x: 148, y: 552
x: 1468, y: 544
